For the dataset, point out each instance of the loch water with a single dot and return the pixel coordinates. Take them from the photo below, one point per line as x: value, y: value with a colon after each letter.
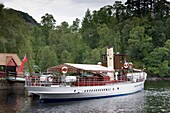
x: 154, y: 99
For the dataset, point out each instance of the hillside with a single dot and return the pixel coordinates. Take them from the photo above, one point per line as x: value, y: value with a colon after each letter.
x: 141, y: 32
x: 24, y: 16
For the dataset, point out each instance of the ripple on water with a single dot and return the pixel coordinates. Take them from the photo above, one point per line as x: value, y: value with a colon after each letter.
x: 124, y: 104
x: 157, y: 100
x: 152, y: 100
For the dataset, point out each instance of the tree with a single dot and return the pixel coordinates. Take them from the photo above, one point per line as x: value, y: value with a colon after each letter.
x: 120, y: 12
x: 167, y: 30
x: 95, y: 56
x: 158, y: 33
x: 75, y: 25
x: 161, y: 8
x: 89, y: 31
x: 140, y: 44
x: 48, y: 21
x: 125, y: 34
x: 66, y: 57
x: 106, y: 37
x: 157, y: 61
x: 103, y: 15
x: 3, y: 40
x: 48, y: 58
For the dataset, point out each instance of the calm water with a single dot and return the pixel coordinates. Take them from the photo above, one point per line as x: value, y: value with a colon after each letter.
x: 154, y: 99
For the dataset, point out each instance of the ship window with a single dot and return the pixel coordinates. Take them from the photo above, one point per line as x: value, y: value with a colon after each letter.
x: 113, y: 88
x: 117, y: 88
x: 124, y: 59
x: 121, y: 59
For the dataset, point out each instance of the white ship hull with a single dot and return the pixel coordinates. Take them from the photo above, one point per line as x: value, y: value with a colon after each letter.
x: 85, y: 92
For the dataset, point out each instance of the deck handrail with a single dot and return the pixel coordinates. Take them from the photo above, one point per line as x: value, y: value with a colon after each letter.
x: 80, y: 81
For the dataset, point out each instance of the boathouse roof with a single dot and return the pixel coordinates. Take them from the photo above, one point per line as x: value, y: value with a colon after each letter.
x: 5, y: 58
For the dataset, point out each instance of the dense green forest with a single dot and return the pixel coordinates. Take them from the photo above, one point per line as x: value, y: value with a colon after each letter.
x: 139, y: 28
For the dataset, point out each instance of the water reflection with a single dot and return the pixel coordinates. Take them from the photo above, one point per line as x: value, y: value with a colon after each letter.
x: 11, y: 101
x: 129, y: 104
x: 154, y: 99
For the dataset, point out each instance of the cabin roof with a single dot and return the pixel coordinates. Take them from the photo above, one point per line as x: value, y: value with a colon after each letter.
x: 85, y: 67
x: 6, y: 57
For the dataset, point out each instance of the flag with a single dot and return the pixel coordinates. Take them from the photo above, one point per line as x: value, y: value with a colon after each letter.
x: 25, y: 59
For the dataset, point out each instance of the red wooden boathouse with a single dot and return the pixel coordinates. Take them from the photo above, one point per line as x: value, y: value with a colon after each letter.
x: 9, y: 63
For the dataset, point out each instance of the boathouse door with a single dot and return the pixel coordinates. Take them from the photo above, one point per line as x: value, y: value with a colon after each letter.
x: 10, y: 66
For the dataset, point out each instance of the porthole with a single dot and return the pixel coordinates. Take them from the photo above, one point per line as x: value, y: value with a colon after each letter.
x: 117, y: 88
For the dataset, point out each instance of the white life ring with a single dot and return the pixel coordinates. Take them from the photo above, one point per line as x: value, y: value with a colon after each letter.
x: 125, y: 65
x: 64, y: 69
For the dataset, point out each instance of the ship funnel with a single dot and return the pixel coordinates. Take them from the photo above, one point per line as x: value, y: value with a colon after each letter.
x: 110, y: 58
x: 110, y: 62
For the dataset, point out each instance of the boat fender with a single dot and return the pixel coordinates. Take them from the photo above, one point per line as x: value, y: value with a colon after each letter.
x: 50, y: 79
x: 28, y: 78
x: 125, y: 65
x: 64, y: 69
x: 130, y: 65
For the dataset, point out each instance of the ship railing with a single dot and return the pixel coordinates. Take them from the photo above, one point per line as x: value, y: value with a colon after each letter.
x: 59, y: 81
x: 2, y: 74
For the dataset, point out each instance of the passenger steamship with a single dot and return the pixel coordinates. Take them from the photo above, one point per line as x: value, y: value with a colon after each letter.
x: 115, y: 77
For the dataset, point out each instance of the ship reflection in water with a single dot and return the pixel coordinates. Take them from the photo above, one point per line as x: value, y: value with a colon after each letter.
x: 129, y: 103
x: 152, y: 99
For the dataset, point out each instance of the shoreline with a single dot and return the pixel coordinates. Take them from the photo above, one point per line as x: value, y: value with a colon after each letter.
x: 157, y: 79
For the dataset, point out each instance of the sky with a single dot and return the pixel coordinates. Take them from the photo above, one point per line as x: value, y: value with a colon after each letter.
x: 62, y: 10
